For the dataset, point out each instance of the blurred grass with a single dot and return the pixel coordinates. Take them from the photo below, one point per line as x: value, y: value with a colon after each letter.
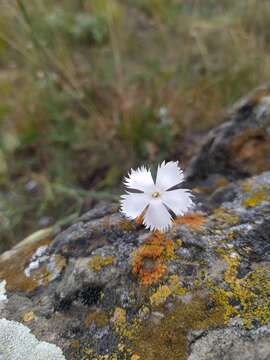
x: 89, y: 88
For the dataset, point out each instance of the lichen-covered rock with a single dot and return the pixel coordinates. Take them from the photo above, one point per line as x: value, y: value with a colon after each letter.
x: 240, y: 146
x: 105, y: 288
x: 121, y: 291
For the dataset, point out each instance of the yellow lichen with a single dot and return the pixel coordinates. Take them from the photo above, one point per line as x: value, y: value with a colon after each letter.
x: 98, y: 262
x: 124, y: 329
x: 121, y: 347
x: 257, y: 197
x: 119, y: 316
x: 135, y: 357
x: 29, y: 316
x: 160, y: 296
x: 251, y: 293
x: 175, y: 287
x: 225, y: 217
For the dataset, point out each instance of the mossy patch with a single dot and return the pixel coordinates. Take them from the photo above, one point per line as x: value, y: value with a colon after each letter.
x: 167, y: 340
x: 99, y: 317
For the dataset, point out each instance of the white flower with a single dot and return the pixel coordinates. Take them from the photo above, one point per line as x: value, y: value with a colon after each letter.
x: 155, y: 200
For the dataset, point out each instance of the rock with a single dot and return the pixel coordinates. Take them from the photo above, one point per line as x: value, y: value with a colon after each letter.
x: 122, y: 292
x: 105, y: 288
x: 228, y: 344
x: 240, y: 146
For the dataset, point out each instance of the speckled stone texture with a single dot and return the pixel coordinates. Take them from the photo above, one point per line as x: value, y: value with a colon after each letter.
x: 105, y: 288
x: 240, y: 146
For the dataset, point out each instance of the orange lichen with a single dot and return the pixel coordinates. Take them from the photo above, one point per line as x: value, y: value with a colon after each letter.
x: 192, y: 220
x: 149, y: 259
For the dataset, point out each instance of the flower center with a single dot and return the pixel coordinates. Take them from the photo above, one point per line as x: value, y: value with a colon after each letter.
x: 156, y: 194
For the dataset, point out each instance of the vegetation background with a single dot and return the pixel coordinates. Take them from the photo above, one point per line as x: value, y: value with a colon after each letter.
x: 89, y: 88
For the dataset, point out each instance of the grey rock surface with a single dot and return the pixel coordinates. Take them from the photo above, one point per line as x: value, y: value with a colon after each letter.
x: 230, y: 344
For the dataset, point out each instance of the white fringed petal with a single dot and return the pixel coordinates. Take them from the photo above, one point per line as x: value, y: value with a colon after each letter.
x: 140, y: 179
x: 179, y: 201
x: 156, y: 201
x: 168, y: 175
x: 133, y: 204
x: 157, y: 217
